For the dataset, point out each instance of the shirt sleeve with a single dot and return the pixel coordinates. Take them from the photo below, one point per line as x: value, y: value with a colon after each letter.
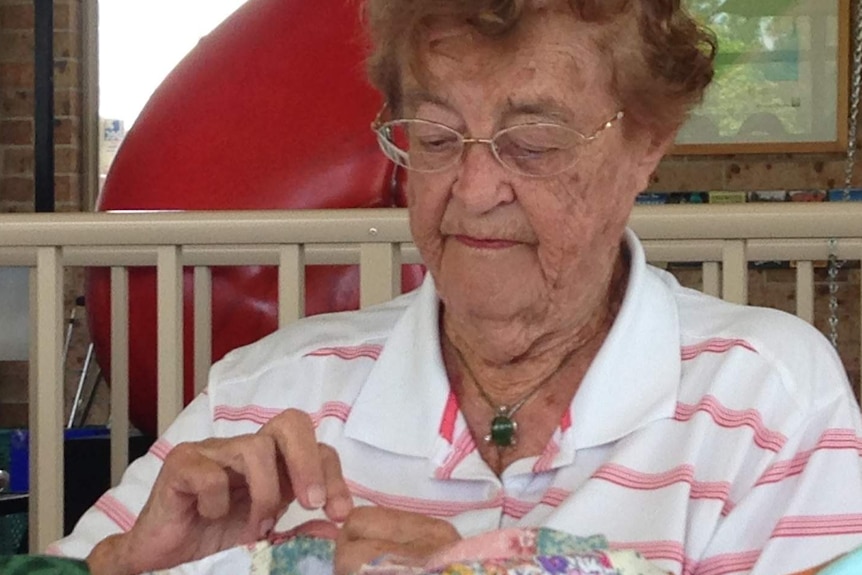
x: 806, y: 506
x: 117, y: 510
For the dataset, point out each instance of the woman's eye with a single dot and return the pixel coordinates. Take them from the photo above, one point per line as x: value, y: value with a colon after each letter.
x: 528, y: 149
x: 531, y: 142
x: 437, y: 143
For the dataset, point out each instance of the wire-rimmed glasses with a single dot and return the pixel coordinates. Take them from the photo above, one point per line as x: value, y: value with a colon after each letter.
x: 537, y: 149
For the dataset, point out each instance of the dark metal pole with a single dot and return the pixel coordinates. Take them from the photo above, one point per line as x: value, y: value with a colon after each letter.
x: 43, y: 114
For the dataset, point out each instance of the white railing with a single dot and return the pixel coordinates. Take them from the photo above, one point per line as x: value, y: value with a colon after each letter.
x: 723, y: 238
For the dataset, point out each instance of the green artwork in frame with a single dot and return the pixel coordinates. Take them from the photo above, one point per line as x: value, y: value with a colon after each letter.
x: 781, y: 77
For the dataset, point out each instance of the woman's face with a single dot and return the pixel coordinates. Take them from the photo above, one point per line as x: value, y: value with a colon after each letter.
x: 500, y: 245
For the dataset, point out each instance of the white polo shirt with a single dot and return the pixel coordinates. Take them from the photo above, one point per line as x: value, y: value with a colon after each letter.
x: 713, y: 438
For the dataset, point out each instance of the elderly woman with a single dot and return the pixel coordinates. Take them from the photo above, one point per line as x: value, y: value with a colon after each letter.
x: 543, y: 375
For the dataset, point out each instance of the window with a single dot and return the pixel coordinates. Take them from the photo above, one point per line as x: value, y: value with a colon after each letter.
x: 781, y: 77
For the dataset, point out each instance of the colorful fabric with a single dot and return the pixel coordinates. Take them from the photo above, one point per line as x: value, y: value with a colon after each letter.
x: 522, y: 552
x: 711, y: 438
x: 503, y: 552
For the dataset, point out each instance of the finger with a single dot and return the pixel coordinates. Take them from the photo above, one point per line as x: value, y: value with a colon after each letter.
x: 293, y: 433
x: 253, y: 459
x: 188, y: 473
x: 339, y: 501
x: 372, y: 522
x: 351, y: 555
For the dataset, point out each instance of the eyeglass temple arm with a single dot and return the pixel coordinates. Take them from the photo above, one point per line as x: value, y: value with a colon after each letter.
x: 377, y: 119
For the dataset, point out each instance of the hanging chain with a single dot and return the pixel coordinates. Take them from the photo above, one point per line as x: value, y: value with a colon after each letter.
x: 855, y: 95
x: 832, y: 273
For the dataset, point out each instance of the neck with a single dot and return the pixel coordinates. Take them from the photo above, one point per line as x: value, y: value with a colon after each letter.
x: 509, y: 359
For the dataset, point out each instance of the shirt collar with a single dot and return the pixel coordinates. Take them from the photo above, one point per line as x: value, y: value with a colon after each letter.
x: 633, y: 380
x: 400, y: 407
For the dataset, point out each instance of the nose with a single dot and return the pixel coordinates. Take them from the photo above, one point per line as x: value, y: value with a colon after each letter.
x: 482, y: 183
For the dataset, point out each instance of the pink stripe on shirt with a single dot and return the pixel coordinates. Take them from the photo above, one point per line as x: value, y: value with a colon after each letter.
x: 335, y: 409
x: 517, y: 508
x: 450, y: 414
x: 161, y: 448
x: 653, y: 550
x: 714, y: 345
x: 831, y: 439
x: 818, y: 525
x: 566, y: 421
x: 724, y: 564
x: 464, y: 446
x: 370, y: 351
x: 250, y: 413
x: 116, y: 511
x: 632, y: 479
x: 555, y: 496
x: 546, y: 459
x: 733, y: 418
x: 261, y: 415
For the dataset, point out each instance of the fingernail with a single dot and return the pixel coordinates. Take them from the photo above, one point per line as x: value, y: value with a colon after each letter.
x: 316, y: 496
x: 266, y: 526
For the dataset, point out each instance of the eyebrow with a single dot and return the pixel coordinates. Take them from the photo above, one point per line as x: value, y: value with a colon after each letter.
x: 412, y: 99
x: 544, y: 107
x: 547, y: 107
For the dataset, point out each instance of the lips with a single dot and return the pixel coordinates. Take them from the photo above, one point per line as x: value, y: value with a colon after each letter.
x: 486, y: 243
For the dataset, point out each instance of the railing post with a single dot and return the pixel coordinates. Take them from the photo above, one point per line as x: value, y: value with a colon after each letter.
x: 805, y: 290
x: 169, y: 300
x: 379, y: 273
x: 712, y: 279
x: 735, y: 272
x: 46, y: 401
x: 291, y: 284
x: 119, y: 372
x: 203, y: 318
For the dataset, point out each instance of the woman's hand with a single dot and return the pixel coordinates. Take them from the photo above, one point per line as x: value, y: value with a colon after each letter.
x: 370, y: 532
x: 219, y: 493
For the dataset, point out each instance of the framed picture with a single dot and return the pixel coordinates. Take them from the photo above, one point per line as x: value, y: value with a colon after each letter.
x: 781, y: 78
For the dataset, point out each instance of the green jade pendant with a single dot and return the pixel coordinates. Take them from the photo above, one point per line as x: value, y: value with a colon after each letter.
x: 502, y: 429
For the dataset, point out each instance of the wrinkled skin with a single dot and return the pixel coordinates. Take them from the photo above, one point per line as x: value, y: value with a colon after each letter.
x: 529, y: 270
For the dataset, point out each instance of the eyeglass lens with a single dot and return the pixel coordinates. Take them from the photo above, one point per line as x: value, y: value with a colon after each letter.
x: 533, y: 149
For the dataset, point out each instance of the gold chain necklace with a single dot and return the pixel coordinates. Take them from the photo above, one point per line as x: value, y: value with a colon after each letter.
x: 503, y: 428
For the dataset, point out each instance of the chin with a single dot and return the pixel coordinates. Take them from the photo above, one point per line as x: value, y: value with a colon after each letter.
x: 491, y: 304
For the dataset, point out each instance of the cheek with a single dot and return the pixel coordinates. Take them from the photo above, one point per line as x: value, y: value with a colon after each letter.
x: 585, y: 214
x: 600, y: 195
x: 426, y: 203
x: 420, y: 202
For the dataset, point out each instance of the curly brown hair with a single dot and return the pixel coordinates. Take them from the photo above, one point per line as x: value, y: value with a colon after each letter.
x: 656, y: 83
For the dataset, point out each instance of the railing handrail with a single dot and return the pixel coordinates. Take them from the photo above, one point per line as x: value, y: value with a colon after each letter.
x: 388, y: 225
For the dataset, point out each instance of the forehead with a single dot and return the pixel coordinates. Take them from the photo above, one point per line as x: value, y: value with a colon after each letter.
x: 551, y: 59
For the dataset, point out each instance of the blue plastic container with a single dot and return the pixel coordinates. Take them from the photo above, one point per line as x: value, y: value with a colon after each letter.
x: 19, y: 453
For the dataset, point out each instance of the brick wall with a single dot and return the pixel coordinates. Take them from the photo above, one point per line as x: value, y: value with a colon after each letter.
x: 16, y: 150
x: 752, y: 173
x: 771, y: 287
x: 17, y: 100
